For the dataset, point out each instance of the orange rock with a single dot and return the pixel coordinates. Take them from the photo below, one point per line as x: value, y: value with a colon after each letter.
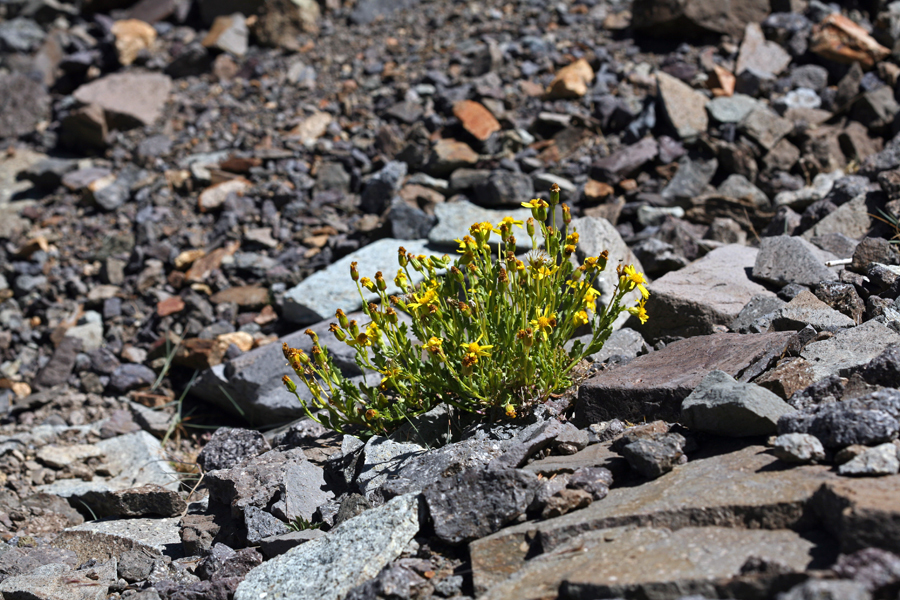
x: 532, y: 89
x: 628, y: 185
x: 597, y: 190
x: 572, y: 80
x: 169, y: 306
x: 132, y: 36
x: 202, y: 268
x: 243, y: 295
x: 476, y: 119
x: 721, y: 81
x: 839, y: 39
x: 312, y: 128
x: 241, y: 339
x: 266, y: 315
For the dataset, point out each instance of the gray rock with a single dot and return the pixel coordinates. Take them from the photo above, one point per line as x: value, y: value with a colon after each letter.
x: 279, y: 544
x: 655, y: 457
x: 229, y: 446
x: 147, y: 500
x: 25, y: 104
x: 764, y: 58
x: 680, y: 19
x: 20, y: 35
x: 382, y: 186
x: 89, y: 330
x: 477, y: 502
x: 731, y: 109
x: 874, y: 568
x: 691, y: 179
x: 626, y: 161
x: 868, y: 420
x: 722, y: 406
x: 285, y: 481
x: 849, y: 348
x: 60, y: 581
x: 825, y: 589
x: 367, y: 11
x: 658, y: 257
x: 765, y: 127
x: 20, y: 561
x: 260, y: 525
x: 60, y: 366
x: 135, y: 459
x: 800, y: 448
x: 805, y: 309
x: 802, y: 198
x: 381, y: 458
x: 318, y: 296
x: 130, y: 376
x: 853, y: 219
x: 641, y: 562
x: 235, y: 37
x: 814, y: 77
x: 784, y: 259
x: 134, y: 566
x: 653, y: 386
x: 837, y: 243
x: 731, y: 488
x: 875, y: 109
x: 129, y: 99
x: 704, y: 297
x: 683, y: 106
x: 739, y: 187
x: 625, y: 342
x: 880, y: 460
x: 748, y: 320
x: 504, y: 188
x: 409, y: 222
x: 455, y: 218
x: 103, y: 540
x: 334, y: 564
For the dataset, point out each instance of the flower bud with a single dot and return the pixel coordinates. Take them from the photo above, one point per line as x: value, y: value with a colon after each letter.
x: 354, y: 328
x: 341, y: 317
x: 529, y: 226
x: 554, y: 195
x: 379, y: 281
x: 312, y: 335
x: 391, y: 315
x: 354, y: 273
x: 289, y: 384
x: 567, y: 214
x: 401, y: 256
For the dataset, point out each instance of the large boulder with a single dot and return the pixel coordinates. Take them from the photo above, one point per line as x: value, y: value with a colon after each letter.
x: 689, y: 18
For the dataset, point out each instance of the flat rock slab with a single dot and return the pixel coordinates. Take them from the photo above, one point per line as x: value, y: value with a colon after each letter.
x: 848, y: 349
x: 658, y: 563
x: 702, y: 298
x: 58, y: 581
x: 742, y: 489
x: 136, y: 98
x: 862, y: 512
x: 328, y: 567
x: 103, y: 540
x: 137, y: 458
x: 455, y: 218
x: 654, y: 385
x: 318, y: 296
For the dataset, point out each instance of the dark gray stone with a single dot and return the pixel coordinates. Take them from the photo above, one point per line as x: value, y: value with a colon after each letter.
x: 261, y: 524
x: 479, y: 501
x: 867, y: 420
x: 655, y: 457
x: 61, y: 364
x: 748, y: 321
x: 784, y: 259
x: 722, y: 406
x: 382, y: 186
x: 229, y: 446
x: 504, y: 188
x: 874, y: 568
x: 367, y: 11
x: 625, y: 162
x: 130, y: 376
x: 25, y: 103
x: 691, y: 179
x: 409, y: 222
x: 825, y: 589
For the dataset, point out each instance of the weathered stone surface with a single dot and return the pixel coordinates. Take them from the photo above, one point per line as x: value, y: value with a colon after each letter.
x: 455, y: 218
x: 136, y: 459
x: 784, y: 259
x: 25, y: 104
x: 684, y: 107
x: 658, y: 563
x: 880, y: 460
x: 852, y: 219
x: 869, y: 419
x: 849, y: 348
x: 626, y: 161
x: 736, y: 489
x: 103, y: 540
x: 653, y: 386
x: 758, y: 306
x: 799, y: 448
x: 722, y: 406
x: 58, y: 581
x: 862, y: 512
x: 142, y: 501
x: 702, y: 298
x: 764, y: 58
x: 826, y: 589
x: 334, y: 564
x: 789, y: 377
x: 229, y: 446
x: 681, y: 19
x: 805, y: 309
x: 279, y: 544
x: 128, y: 99
x: 319, y: 295
x: 382, y: 458
x: 285, y: 481
x: 655, y: 456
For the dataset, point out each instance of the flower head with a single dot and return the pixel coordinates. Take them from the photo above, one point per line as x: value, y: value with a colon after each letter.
x: 474, y: 350
x: 544, y: 323
x: 636, y: 279
x: 639, y: 311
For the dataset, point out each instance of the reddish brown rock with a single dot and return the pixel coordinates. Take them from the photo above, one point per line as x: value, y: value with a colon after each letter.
x: 572, y: 80
x: 862, y: 512
x: 169, y: 306
x: 792, y: 375
x: 132, y: 37
x: 839, y: 39
x: 246, y: 296
x: 202, y: 267
x: 476, y: 119
x: 652, y: 386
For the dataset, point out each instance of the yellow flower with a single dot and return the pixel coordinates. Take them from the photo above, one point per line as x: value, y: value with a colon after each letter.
x: 367, y: 283
x: 474, y: 350
x: 590, y: 298
x: 482, y: 230
x: 401, y: 280
x: 535, y: 203
x: 580, y: 318
x: 639, y: 311
x: 508, y: 222
x: 636, y: 278
x: 544, y: 323
x: 423, y: 298
x: 373, y: 333
x: 434, y: 344
x: 510, y: 411
x: 542, y: 272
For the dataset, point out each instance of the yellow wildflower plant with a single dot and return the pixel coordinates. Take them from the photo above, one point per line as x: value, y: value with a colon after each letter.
x: 485, y: 333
